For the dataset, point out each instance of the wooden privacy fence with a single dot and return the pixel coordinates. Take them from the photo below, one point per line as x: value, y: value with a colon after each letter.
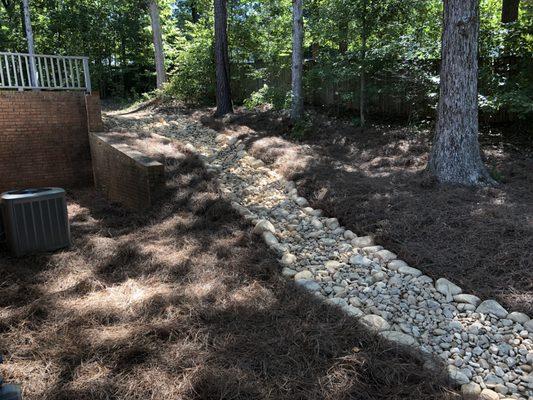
x: 24, y: 71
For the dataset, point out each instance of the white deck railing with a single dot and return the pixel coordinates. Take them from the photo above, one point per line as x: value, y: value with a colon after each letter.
x: 23, y: 71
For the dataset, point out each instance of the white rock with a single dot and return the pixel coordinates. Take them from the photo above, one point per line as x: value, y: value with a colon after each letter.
x: 385, y: 255
x: 301, y: 201
x: 264, y: 226
x: 487, y: 394
x: 304, y: 275
x: 288, y: 272
x: 492, y: 307
x: 309, y: 285
x: 447, y: 288
x: 352, y: 311
x: 232, y: 140
x: 398, y: 338
x: 519, y: 317
x: 467, y: 298
x: 332, y: 223
x: 409, y: 271
x: 375, y: 323
x: 349, y: 235
x: 315, y: 223
x: 470, y: 391
x: 270, y: 239
x: 332, y: 264
x: 288, y: 259
x: 395, y: 265
x: 363, y: 241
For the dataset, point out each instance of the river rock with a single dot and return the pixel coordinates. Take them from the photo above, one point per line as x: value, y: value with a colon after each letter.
x: 447, y: 288
x: 264, y: 226
x: 470, y: 391
x: 398, y: 338
x: 303, y: 275
x: 487, y: 394
x: 375, y: 323
x: 363, y: 241
x: 492, y: 307
x: 467, y: 298
x: 519, y: 317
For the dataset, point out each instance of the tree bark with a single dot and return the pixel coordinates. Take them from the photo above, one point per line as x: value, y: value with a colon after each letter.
x: 510, y: 11
x: 297, y: 106
x: 158, y: 44
x: 31, y: 47
x: 455, y: 157
x: 362, y: 80
x: 223, y: 89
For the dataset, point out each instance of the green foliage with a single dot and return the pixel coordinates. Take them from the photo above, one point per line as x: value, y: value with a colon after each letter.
x: 400, y: 63
x: 302, y: 128
x: 276, y: 98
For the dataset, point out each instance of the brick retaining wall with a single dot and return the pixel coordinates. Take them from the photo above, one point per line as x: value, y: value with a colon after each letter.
x: 124, y: 175
x: 44, y: 138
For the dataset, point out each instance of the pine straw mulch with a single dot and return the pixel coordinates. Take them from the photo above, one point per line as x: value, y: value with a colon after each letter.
x: 374, y: 182
x: 183, y: 302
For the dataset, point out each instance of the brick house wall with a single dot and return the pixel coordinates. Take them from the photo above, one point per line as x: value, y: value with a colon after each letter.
x: 44, y: 138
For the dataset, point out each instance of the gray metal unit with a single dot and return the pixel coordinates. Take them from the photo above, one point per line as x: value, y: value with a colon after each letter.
x: 35, y: 220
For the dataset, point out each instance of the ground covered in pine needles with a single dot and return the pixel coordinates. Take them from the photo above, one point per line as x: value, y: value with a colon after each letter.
x: 183, y: 303
x: 374, y: 182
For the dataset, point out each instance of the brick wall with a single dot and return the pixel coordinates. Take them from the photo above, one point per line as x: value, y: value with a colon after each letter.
x: 44, y: 139
x: 94, y: 112
x: 124, y: 175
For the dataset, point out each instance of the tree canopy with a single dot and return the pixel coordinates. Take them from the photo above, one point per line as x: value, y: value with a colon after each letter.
x: 401, y: 60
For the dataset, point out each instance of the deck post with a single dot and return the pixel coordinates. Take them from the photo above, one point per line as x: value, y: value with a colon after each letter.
x: 87, y: 75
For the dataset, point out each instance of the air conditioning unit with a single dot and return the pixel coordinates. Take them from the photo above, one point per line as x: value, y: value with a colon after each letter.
x: 35, y: 220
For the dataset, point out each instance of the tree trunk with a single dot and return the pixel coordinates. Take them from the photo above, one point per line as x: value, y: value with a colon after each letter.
x: 31, y: 47
x: 455, y: 157
x: 158, y: 44
x: 510, y: 11
x: 343, y: 34
x: 362, y: 82
x: 223, y: 90
x: 297, y: 106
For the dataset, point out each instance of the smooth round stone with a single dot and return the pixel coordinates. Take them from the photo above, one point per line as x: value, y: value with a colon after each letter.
x: 363, y: 241
x: 487, y: 394
x: 349, y: 235
x: 492, y: 307
x: 470, y: 391
x: 467, y: 298
x: 398, y: 338
x: 407, y: 270
x: 457, y: 375
x: 529, y: 325
x: 353, y: 311
x: 385, y: 255
x: 309, y: 285
x: 519, y: 317
x: 447, y: 288
x: 288, y: 272
x: 375, y: 323
x: 288, y: 259
x: 332, y: 223
x: 301, y: 201
x: 303, y: 275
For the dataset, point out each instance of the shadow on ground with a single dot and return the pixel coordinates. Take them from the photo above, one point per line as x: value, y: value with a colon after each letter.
x: 183, y: 303
x: 374, y: 182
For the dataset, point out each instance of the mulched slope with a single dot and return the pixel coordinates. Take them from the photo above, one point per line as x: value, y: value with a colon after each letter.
x: 182, y: 303
x: 373, y: 181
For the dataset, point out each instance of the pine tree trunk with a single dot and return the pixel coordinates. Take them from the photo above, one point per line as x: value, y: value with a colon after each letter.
x: 362, y: 80
x: 455, y: 157
x: 297, y: 106
x: 510, y: 11
x: 158, y: 43
x: 223, y: 90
